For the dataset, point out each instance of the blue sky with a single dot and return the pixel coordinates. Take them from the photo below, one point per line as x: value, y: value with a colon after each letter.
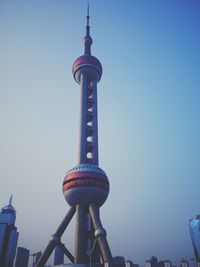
x: 149, y: 116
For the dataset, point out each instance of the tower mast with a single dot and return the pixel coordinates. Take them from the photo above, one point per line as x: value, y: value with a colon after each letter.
x: 88, y: 79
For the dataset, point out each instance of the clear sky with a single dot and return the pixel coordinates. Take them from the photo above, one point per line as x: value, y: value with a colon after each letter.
x: 149, y: 113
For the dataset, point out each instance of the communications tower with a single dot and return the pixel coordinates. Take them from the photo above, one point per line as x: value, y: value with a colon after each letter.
x: 85, y: 186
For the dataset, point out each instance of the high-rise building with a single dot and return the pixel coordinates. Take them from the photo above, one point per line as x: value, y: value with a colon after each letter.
x: 194, y: 226
x: 86, y: 186
x: 22, y: 257
x: 8, y: 235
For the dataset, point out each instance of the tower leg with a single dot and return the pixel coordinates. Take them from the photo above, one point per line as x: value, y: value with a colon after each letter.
x: 100, y: 234
x: 55, y: 239
x: 79, y: 248
x: 95, y: 246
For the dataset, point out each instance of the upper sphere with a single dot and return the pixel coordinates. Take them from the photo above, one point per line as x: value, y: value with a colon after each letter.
x: 89, y: 65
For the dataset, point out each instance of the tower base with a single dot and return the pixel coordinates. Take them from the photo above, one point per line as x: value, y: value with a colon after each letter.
x: 99, y: 235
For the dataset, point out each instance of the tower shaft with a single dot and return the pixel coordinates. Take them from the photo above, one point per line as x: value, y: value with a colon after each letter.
x: 88, y: 150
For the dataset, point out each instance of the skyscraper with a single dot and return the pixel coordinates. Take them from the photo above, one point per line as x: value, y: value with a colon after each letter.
x: 22, y: 257
x: 194, y: 226
x: 85, y: 186
x: 8, y: 235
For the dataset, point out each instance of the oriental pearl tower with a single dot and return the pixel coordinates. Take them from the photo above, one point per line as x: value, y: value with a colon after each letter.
x: 86, y: 186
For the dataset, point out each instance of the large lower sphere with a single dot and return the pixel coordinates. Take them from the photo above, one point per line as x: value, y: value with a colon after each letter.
x: 84, y: 184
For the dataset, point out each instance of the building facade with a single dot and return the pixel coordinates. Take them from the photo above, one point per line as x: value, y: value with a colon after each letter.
x: 8, y: 235
x: 153, y: 262
x: 22, y: 257
x: 184, y: 263
x: 119, y: 261
x: 129, y: 263
x: 194, y: 226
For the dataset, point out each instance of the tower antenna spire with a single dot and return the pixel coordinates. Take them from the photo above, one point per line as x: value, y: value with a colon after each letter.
x: 10, y: 200
x: 88, y: 39
x: 88, y: 14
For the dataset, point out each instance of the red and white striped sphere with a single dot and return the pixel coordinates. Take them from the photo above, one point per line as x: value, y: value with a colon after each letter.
x: 85, y: 183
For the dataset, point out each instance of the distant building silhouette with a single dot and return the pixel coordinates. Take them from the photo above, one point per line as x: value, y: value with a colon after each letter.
x: 194, y: 226
x: 129, y: 263
x: 22, y: 257
x: 147, y: 263
x: 36, y: 257
x: 168, y: 264
x: 184, y: 263
x: 165, y: 263
x: 8, y: 235
x: 58, y: 256
x: 119, y: 261
x: 153, y: 262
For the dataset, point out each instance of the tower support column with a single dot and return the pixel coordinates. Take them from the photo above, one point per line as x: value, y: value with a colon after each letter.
x: 55, y: 239
x: 80, y: 225
x: 100, y: 234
